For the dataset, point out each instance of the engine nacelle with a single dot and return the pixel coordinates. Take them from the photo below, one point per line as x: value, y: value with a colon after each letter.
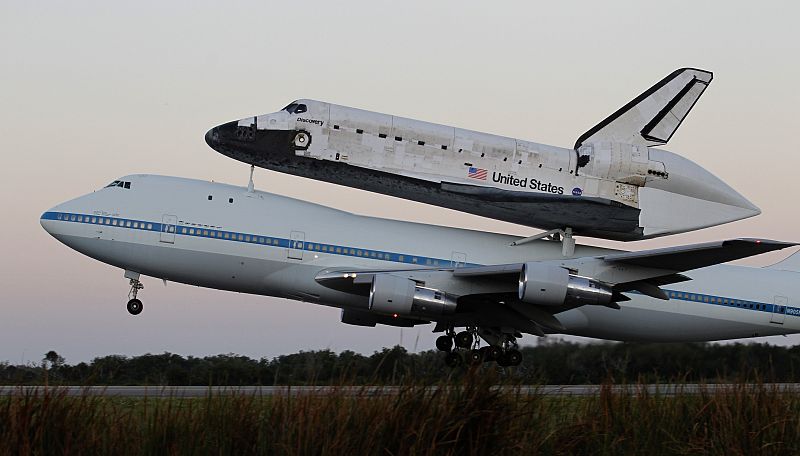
x: 391, y: 294
x: 549, y: 285
x: 365, y: 318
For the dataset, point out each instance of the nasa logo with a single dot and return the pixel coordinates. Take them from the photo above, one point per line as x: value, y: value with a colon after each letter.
x: 577, y: 191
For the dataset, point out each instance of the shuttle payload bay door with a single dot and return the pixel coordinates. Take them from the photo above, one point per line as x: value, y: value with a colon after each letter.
x: 779, y: 310
x: 297, y: 241
x: 168, y: 228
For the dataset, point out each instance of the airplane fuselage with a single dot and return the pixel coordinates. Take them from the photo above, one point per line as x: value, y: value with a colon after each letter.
x: 224, y: 237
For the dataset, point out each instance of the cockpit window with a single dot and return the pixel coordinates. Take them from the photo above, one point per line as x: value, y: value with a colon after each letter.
x: 119, y: 183
x: 296, y: 108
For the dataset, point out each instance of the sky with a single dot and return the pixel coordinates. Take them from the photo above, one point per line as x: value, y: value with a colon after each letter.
x: 90, y: 91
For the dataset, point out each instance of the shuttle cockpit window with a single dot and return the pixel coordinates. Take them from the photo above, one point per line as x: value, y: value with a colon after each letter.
x: 119, y: 183
x: 295, y: 108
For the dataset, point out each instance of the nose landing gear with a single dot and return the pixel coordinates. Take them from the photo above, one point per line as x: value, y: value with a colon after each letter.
x: 134, y: 304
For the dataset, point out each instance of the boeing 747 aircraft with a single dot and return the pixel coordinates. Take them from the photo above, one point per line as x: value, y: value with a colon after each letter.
x: 612, y: 184
x: 398, y: 273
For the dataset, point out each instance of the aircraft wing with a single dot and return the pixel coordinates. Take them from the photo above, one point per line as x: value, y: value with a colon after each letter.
x: 653, y: 117
x: 489, y: 293
x: 688, y: 257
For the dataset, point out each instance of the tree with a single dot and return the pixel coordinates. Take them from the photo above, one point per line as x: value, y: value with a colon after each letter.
x: 53, y: 359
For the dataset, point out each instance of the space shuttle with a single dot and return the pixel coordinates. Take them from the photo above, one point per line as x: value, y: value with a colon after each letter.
x: 614, y: 183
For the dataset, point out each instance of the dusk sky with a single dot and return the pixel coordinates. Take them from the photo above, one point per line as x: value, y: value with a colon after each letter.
x: 91, y: 91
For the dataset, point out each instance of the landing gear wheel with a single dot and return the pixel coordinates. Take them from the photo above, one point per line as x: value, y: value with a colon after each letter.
x: 491, y: 353
x: 453, y: 359
x: 135, y: 306
x: 475, y: 357
x: 513, y: 357
x: 464, y: 339
x: 444, y: 343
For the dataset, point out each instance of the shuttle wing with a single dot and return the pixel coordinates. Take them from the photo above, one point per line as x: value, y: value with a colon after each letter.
x: 653, y: 117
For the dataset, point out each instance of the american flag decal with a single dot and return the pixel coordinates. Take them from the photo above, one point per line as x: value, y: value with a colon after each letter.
x: 476, y: 173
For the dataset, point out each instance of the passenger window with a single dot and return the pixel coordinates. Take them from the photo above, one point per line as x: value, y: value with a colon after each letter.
x: 301, y: 108
x: 127, y: 185
x: 290, y: 107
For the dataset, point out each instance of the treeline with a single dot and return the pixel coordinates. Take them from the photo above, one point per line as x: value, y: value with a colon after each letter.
x: 553, y: 363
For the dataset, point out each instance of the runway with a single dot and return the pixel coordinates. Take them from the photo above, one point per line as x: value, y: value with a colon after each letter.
x: 375, y: 391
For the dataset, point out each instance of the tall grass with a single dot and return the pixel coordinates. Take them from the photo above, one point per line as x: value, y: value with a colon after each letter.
x: 471, y: 418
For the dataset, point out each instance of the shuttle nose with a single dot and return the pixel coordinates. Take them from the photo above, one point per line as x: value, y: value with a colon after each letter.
x: 232, y: 139
x: 211, y: 138
x: 242, y: 140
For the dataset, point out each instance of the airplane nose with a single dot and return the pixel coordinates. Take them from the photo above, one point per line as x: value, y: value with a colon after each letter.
x: 49, y: 220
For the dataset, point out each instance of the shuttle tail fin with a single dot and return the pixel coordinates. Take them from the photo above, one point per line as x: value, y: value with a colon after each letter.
x: 653, y: 117
x: 790, y: 263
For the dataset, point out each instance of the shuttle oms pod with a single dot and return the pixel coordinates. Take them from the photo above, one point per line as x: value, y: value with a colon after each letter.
x: 612, y: 184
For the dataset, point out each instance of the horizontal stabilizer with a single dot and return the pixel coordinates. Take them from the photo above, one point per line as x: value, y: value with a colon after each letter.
x: 653, y: 117
x: 694, y: 256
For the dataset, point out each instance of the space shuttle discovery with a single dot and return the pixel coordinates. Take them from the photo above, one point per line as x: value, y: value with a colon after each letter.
x: 611, y: 184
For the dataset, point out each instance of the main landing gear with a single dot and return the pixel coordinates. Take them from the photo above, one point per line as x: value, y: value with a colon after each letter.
x: 134, y: 304
x: 463, y: 348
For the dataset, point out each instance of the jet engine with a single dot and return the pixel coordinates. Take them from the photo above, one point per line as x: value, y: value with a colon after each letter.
x: 549, y: 285
x: 364, y: 318
x: 393, y: 294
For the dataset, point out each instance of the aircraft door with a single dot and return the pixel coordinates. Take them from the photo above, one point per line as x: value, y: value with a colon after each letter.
x: 297, y: 241
x: 779, y: 310
x: 168, y: 228
x: 458, y: 260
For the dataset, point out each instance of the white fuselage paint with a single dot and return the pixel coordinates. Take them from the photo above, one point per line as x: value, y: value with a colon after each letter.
x: 285, y: 243
x: 628, y: 174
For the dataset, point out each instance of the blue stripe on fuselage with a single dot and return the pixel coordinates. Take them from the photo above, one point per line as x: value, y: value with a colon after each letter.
x: 333, y: 249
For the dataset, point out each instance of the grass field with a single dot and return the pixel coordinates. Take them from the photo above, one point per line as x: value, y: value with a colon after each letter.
x: 470, y: 419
